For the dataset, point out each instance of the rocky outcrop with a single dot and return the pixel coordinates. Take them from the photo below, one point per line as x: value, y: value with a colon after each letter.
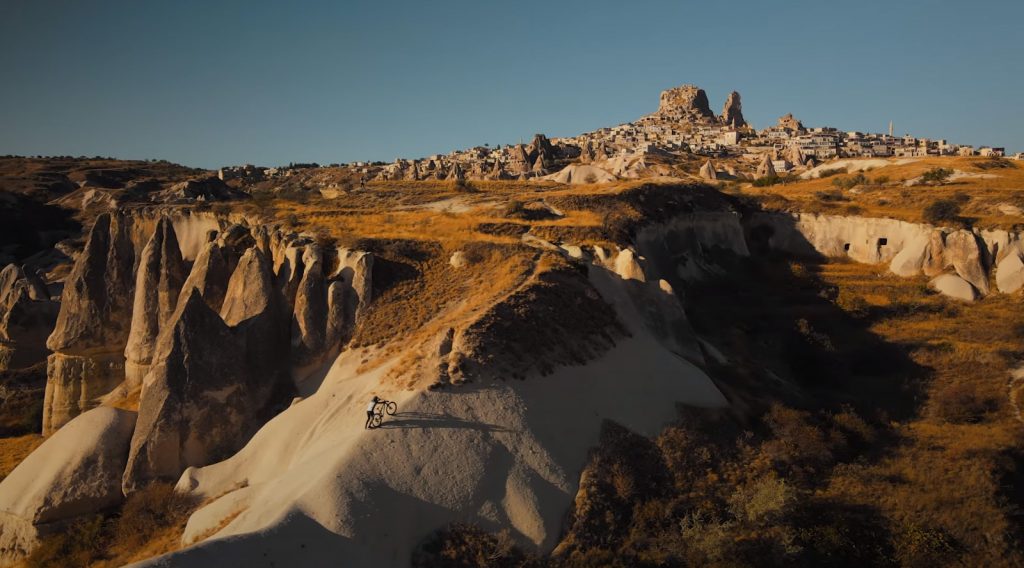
x: 766, y: 168
x: 92, y: 326
x: 158, y: 282
x: 732, y: 112
x: 790, y: 122
x: 310, y: 315
x: 198, y: 401
x: 687, y: 103
x: 953, y: 286
x: 27, y: 317
x: 75, y: 472
x: 349, y: 294
x: 209, y: 276
x: 1010, y: 272
x: 254, y: 308
x: 707, y: 171
x: 201, y: 190
x: 963, y: 253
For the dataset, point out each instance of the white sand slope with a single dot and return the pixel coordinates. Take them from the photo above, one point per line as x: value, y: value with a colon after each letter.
x: 581, y: 173
x: 313, y: 488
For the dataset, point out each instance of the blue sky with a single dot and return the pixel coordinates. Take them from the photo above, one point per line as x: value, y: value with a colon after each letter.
x: 209, y: 83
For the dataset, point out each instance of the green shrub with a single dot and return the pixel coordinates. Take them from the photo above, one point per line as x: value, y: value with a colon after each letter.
x: 942, y: 210
x: 937, y: 176
x: 831, y: 172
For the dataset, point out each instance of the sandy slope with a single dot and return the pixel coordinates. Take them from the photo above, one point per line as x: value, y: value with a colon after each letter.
x: 313, y: 488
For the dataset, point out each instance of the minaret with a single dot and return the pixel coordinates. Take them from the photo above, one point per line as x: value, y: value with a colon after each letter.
x: 890, y: 129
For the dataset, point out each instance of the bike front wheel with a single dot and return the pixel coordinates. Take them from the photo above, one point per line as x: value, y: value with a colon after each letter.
x: 391, y: 408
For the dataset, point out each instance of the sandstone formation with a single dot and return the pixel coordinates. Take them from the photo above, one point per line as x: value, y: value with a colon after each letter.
x: 158, y: 282
x: 209, y: 276
x: 707, y: 171
x: 27, y: 316
x: 766, y: 168
x: 688, y: 103
x: 790, y: 122
x: 732, y: 112
x: 75, y: 472
x: 198, y: 401
x: 953, y: 286
x: 92, y: 327
x: 310, y: 315
x: 962, y: 251
x: 1010, y: 272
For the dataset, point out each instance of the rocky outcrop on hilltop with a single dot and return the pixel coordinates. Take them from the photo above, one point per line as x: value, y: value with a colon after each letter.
x: 790, y: 122
x: 92, y: 327
x: 75, y: 472
x: 27, y: 316
x: 205, y: 189
x: 158, y: 283
x: 688, y: 103
x: 732, y: 112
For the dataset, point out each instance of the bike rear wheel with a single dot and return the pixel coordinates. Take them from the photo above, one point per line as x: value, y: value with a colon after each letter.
x: 377, y: 419
x: 391, y: 408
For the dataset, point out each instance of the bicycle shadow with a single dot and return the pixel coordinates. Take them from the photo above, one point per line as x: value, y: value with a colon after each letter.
x: 425, y: 420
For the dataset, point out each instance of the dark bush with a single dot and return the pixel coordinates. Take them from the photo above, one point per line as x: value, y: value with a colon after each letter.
x: 943, y: 210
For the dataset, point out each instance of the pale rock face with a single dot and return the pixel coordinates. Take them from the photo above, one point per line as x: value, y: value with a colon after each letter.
x: 458, y: 259
x: 766, y: 168
x: 953, y: 286
x: 197, y: 401
x: 1010, y: 273
x: 686, y: 102
x: 707, y: 171
x: 963, y: 253
x: 309, y: 317
x: 933, y: 263
x: 254, y: 308
x: 75, y: 472
x: 158, y: 282
x: 210, y: 274
x: 92, y: 327
x: 27, y: 317
x: 627, y: 265
x: 96, y: 306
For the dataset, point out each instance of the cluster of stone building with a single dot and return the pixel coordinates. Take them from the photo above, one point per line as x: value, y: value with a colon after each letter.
x: 683, y: 124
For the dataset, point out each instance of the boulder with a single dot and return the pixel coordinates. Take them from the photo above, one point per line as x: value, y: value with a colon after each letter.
x: 76, y: 472
x: 628, y: 266
x: 732, y: 112
x: 964, y: 254
x: 158, y: 282
x: 910, y: 260
x: 1010, y: 272
x: 953, y: 286
x: 198, y: 401
x: 933, y: 263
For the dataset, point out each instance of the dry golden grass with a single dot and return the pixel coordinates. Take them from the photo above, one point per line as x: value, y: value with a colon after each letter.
x: 895, y: 200
x: 14, y: 450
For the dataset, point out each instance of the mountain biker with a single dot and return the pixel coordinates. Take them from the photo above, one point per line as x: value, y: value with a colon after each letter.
x: 370, y: 410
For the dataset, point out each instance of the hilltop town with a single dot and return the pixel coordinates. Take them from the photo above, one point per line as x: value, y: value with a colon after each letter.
x: 661, y: 144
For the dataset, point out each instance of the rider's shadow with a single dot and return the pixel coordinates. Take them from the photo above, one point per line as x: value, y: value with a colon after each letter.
x: 424, y: 420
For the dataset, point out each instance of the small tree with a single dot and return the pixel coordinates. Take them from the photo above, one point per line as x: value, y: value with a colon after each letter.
x: 937, y: 176
x: 942, y: 210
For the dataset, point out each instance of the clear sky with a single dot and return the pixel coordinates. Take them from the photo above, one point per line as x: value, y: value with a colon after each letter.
x: 211, y: 83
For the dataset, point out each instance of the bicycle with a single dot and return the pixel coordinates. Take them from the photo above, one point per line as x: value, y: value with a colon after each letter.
x: 383, y: 407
